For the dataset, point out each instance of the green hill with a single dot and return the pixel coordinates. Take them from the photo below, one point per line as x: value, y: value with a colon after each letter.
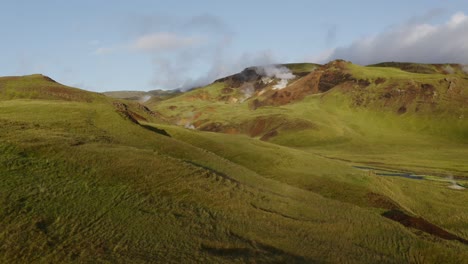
x: 38, y: 86
x: 326, y: 169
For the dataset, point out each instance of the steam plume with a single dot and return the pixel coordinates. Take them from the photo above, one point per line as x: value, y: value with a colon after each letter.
x: 454, y: 185
x: 275, y: 71
x: 448, y: 69
x: 248, y: 92
x: 465, y: 68
x: 145, y: 98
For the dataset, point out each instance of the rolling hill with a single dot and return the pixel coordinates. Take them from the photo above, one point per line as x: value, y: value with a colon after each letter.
x: 291, y: 163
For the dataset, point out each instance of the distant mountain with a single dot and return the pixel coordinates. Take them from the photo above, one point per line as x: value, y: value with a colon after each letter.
x: 441, y: 91
x: 142, y: 96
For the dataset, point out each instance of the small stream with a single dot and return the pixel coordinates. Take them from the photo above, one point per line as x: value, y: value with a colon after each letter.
x: 391, y: 173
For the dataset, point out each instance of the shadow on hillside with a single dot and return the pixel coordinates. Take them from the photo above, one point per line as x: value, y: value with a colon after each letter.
x: 157, y: 130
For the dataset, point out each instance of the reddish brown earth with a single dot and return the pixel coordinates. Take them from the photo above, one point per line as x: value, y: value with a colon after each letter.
x: 318, y: 81
x: 379, y: 80
x: 227, y: 90
x: 265, y: 127
x: 396, y: 214
x: 148, y: 111
x: 258, y: 127
x: 397, y: 96
x: 231, y: 130
x: 422, y: 225
x: 124, y: 111
x: 268, y: 135
x: 136, y: 112
x: 381, y: 201
x: 212, y: 127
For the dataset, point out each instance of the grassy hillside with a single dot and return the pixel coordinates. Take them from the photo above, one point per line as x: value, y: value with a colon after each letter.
x: 327, y: 104
x: 384, y: 119
x: 38, y: 86
x: 448, y: 68
x: 106, y: 180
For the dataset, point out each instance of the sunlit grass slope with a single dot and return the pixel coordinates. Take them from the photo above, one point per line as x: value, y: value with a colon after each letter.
x: 89, y: 181
x: 383, y: 117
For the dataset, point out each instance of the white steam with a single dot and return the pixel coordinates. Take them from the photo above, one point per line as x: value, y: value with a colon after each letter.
x: 248, y: 92
x: 465, y: 68
x: 454, y: 185
x: 145, y: 99
x: 187, y: 120
x: 267, y: 80
x: 189, y: 126
x: 448, y: 69
x: 281, y: 84
x: 278, y: 72
x: 274, y: 71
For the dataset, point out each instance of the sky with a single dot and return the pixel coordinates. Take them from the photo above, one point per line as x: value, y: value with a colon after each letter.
x: 103, y: 45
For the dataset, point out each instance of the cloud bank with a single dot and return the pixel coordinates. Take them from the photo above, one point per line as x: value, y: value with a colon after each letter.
x: 414, y: 41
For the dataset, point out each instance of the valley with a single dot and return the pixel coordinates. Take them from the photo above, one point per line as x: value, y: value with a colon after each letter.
x: 288, y: 163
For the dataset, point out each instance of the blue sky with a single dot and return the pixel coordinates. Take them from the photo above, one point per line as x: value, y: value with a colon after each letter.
x: 142, y: 45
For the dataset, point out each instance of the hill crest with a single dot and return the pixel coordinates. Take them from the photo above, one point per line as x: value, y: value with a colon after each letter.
x: 39, y: 86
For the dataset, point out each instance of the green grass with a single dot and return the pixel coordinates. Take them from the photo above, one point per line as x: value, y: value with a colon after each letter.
x: 375, y: 72
x: 425, y: 68
x: 38, y: 86
x: 432, y: 142
x: 81, y: 183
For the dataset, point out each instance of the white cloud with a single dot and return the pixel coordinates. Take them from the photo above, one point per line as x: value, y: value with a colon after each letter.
x: 411, y: 42
x: 104, y: 50
x: 154, y: 42
x: 457, y: 19
x: 175, y: 73
x: 165, y: 41
x: 187, y: 53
